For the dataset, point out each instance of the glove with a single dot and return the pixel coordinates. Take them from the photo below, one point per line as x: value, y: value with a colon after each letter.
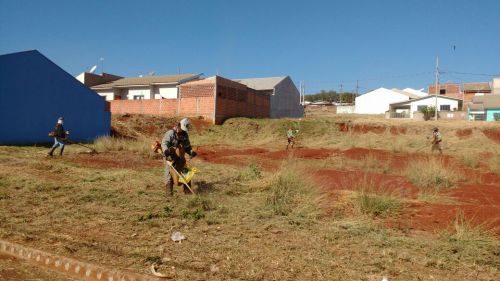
x: 193, y: 154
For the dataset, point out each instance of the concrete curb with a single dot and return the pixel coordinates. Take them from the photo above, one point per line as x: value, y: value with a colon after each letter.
x: 71, y: 267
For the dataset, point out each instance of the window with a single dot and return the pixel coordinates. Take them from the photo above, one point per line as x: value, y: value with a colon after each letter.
x: 444, y: 107
x: 496, y: 116
x: 442, y: 91
x: 421, y: 107
x: 141, y: 97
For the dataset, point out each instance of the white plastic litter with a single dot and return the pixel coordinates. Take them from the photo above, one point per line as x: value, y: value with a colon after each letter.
x: 384, y: 278
x: 177, y: 236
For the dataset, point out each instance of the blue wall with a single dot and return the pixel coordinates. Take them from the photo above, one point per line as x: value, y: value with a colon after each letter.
x: 34, y: 92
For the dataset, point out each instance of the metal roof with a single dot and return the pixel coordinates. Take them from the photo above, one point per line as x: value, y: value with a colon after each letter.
x: 423, y: 98
x: 147, y: 81
x: 266, y: 83
x: 489, y: 101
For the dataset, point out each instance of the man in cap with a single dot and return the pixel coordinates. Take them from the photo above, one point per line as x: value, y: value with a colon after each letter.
x: 291, y: 138
x: 175, y: 144
x: 59, y: 137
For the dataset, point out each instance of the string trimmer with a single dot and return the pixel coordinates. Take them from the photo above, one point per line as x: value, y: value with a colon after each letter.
x: 91, y: 150
x: 157, y: 147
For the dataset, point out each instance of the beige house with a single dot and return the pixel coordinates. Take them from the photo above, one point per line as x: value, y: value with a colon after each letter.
x: 114, y: 87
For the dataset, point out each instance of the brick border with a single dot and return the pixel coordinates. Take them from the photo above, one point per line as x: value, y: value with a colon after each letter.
x: 68, y: 266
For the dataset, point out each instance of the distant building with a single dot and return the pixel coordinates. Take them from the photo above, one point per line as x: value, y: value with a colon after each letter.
x: 485, y: 107
x: 285, y: 97
x: 465, y: 92
x: 378, y: 101
x: 34, y: 92
x: 450, y: 89
x: 138, y: 88
x: 495, y: 86
x: 408, y: 109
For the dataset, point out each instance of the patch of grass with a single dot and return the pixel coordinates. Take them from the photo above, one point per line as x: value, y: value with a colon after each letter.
x: 494, y: 164
x: 470, y: 159
x: 251, y: 172
x: 201, y: 202
x: 376, y: 204
x: 193, y: 214
x: 139, y: 146
x: 467, y: 242
x: 434, y: 197
x: 432, y: 173
x: 282, y: 191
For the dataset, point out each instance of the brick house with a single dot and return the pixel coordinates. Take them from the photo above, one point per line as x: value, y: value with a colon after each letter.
x: 466, y: 93
x: 214, y: 98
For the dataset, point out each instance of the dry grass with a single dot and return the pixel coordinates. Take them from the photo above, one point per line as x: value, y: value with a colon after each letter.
x: 433, y: 173
x: 470, y: 159
x: 494, y: 164
x: 246, y: 224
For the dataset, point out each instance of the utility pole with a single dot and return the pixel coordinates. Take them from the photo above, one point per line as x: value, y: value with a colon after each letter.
x: 102, y: 65
x: 357, y: 91
x: 300, y: 92
x: 303, y: 89
x: 436, y: 93
x: 341, y: 92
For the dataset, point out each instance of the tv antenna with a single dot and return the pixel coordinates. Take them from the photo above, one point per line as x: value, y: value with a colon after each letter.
x: 93, y: 68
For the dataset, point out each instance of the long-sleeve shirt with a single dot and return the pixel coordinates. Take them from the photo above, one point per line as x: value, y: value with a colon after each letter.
x: 174, y: 139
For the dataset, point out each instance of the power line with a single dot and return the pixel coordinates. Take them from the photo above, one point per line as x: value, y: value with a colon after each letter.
x: 466, y: 73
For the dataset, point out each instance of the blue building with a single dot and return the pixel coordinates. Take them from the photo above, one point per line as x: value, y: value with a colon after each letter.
x: 34, y: 92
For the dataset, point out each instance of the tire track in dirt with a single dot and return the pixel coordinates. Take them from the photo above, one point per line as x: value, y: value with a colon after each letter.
x: 68, y: 266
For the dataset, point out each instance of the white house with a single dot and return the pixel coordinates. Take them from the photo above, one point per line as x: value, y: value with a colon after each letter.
x: 148, y: 87
x: 378, y: 101
x: 406, y: 109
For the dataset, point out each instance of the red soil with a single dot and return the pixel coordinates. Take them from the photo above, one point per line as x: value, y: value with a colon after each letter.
x: 463, y: 134
x: 363, y: 129
x: 492, y: 134
x: 398, y: 130
x: 479, y: 203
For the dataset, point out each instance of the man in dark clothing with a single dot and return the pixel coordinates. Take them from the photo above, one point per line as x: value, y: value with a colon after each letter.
x: 175, y: 144
x: 59, y: 137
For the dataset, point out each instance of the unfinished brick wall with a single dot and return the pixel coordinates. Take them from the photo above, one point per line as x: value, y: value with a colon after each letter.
x: 451, y: 89
x: 197, y: 98
x: 156, y: 107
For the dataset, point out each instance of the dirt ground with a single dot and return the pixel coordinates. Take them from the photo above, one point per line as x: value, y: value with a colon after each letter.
x: 261, y: 213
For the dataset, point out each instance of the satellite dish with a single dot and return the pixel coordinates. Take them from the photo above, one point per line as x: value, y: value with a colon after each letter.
x: 92, y: 69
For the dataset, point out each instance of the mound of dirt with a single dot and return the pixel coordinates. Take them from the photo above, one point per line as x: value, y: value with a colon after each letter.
x: 134, y: 126
x: 492, y: 134
x: 463, y: 134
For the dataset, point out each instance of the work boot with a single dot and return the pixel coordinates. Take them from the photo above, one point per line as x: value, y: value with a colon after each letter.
x: 61, y: 152
x: 170, y: 188
x: 51, y: 152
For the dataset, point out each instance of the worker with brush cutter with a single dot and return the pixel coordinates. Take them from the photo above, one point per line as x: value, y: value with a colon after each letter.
x: 174, y: 145
x: 436, y: 141
x: 59, y: 137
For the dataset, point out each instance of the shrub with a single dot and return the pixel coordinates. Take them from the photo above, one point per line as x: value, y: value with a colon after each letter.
x: 470, y: 159
x: 429, y: 112
x: 432, y: 173
x: 376, y: 205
